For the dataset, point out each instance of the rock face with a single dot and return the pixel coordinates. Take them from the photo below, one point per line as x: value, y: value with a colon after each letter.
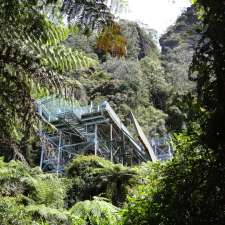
x: 140, y: 41
x: 178, y: 45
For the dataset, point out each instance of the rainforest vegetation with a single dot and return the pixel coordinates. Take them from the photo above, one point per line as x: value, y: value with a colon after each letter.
x: 80, y: 50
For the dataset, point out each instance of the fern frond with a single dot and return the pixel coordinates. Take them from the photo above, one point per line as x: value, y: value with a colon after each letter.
x: 87, y: 13
x: 96, y: 212
x: 54, y: 34
x: 52, y: 54
x: 31, y: 50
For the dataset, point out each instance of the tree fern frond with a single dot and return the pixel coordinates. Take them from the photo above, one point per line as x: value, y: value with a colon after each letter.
x: 87, y: 13
x: 59, y: 57
x: 96, y: 212
x: 54, y: 34
x: 31, y: 49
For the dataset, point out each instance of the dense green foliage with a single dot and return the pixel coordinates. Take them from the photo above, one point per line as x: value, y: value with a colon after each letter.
x: 93, y: 176
x: 27, y: 196
x: 140, y: 41
x: 190, y: 188
x: 135, y: 82
x: 41, y: 55
x: 31, y: 55
x: 27, y: 193
x: 96, y: 212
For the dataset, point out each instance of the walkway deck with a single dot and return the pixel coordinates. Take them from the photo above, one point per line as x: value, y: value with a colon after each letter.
x: 85, y: 130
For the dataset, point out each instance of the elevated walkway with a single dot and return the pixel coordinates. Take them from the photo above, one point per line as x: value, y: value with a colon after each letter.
x: 89, y: 129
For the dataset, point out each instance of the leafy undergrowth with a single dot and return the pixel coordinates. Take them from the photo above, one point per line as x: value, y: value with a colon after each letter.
x: 97, y: 211
x: 92, y: 192
x: 93, y: 176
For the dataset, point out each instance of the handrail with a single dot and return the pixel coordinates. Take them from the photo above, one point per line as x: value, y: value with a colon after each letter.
x: 120, y: 125
x: 53, y: 114
x: 143, y: 139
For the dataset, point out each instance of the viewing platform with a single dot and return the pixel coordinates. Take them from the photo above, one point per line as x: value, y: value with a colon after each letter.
x: 68, y: 129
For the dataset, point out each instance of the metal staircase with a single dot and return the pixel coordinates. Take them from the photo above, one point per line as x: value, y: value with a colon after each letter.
x: 84, y: 130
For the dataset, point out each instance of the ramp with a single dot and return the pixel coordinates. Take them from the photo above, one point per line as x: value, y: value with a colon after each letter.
x: 143, y: 139
x: 120, y: 125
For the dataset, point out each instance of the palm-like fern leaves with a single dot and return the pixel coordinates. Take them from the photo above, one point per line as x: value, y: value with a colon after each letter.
x: 31, y: 50
x: 96, y: 212
x: 87, y: 13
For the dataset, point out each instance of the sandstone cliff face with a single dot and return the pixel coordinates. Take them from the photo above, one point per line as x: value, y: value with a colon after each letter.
x: 140, y: 41
x: 178, y: 45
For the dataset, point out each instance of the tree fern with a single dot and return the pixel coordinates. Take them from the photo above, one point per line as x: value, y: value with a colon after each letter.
x: 47, y: 216
x: 31, y: 51
x: 11, y: 178
x: 43, y: 193
x: 87, y: 13
x: 93, y: 176
x: 58, y: 57
x: 96, y: 212
x: 13, y: 213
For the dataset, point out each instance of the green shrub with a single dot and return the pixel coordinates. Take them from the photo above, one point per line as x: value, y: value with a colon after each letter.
x: 12, y: 180
x: 16, y: 179
x: 93, y: 176
x: 51, y: 216
x: 48, y: 190
x: 96, y: 212
x: 13, y: 212
x: 84, y: 165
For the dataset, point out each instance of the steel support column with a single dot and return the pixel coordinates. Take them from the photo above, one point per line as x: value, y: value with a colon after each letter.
x: 96, y: 139
x: 111, y: 143
x: 59, y: 152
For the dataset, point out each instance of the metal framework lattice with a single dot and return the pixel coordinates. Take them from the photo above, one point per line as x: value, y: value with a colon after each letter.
x: 84, y: 130
x: 162, y: 147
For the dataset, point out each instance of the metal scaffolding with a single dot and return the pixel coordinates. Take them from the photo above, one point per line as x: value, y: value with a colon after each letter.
x: 162, y: 147
x: 85, y: 130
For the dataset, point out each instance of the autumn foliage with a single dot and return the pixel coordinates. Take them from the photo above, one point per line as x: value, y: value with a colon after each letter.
x: 112, y: 41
